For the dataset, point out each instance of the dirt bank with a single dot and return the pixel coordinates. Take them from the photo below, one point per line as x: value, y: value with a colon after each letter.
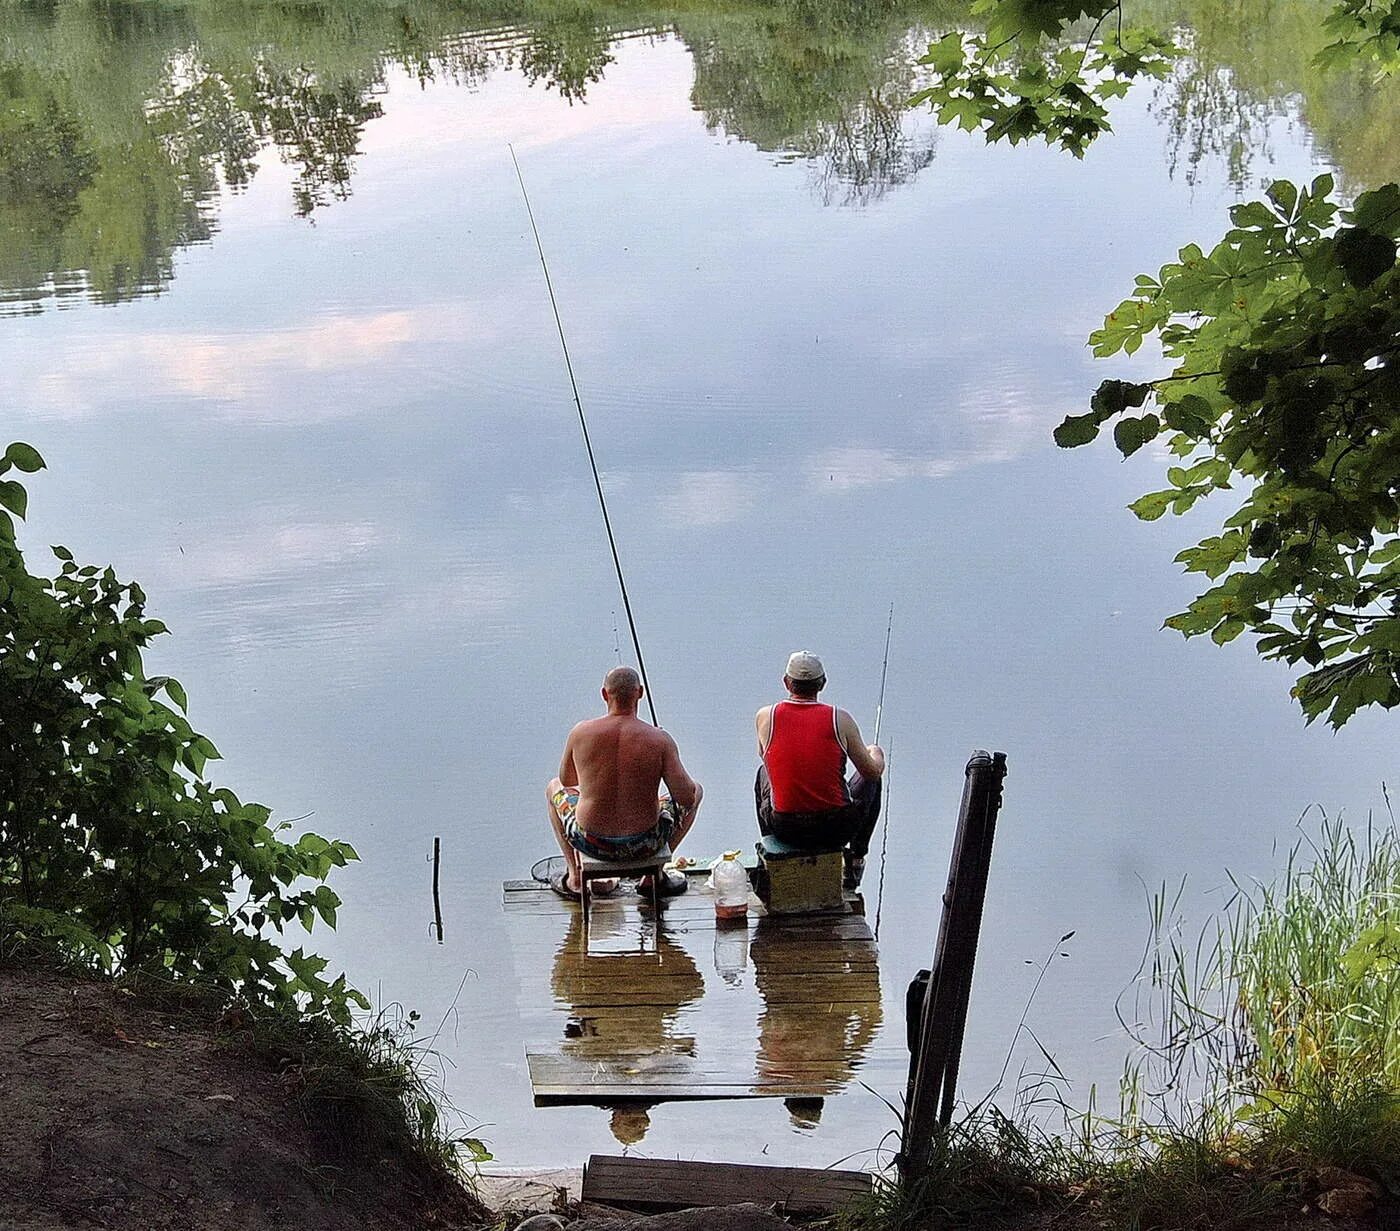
x: 121, y: 1112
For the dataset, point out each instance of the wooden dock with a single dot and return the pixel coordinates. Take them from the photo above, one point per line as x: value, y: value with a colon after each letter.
x: 688, y: 1007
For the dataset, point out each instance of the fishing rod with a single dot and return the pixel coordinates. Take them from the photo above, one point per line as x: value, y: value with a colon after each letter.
x: 587, y: 440
x: 884, y: 671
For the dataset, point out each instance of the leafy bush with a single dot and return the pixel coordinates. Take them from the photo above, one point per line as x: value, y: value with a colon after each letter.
x: 113, y: 844
x: 1284, y: 338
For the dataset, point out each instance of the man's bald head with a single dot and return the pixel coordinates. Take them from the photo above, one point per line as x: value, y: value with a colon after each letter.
x: 624, y: 685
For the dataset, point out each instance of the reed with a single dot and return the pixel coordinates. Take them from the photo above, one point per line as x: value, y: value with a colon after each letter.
x: 1290, y: 994
x: 1264, y: 1079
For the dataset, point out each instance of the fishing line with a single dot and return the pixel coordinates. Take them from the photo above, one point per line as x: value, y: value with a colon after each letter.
x: 587, y: 439
x: 884, y: 839
x: 879, y: 714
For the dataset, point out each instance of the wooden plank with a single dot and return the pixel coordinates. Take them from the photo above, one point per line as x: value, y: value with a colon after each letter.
x: 667, y: 1184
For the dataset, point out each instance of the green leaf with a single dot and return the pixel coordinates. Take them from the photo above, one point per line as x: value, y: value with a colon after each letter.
x: 1191, y: 414
x: 1151, y: 506
x: 1131, y: 434
x: 175, y: 691
x: 947, y: 55
x: 24, y: 457
x: 1077, y: 430
x: 1363, y: 255
x: 1378, y: 210
x: 13, y: 497
x: 1284, y: 194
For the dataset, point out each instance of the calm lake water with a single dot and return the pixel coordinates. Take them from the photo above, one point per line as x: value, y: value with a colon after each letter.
x: 274, y: 318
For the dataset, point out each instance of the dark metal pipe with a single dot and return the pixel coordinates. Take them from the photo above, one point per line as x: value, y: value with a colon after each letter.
x: 942, y: 1021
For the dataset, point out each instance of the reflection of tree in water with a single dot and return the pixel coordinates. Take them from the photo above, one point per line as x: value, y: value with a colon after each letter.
x: 122, y: 120
x: 1249, y: 68
x: 824, y: 82
x: 867, y: 152
x: 69, y: 204
x: 226, y: 120
x: 566, y: 55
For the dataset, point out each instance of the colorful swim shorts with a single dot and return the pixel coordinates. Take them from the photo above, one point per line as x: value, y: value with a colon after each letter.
x: 600, y: 846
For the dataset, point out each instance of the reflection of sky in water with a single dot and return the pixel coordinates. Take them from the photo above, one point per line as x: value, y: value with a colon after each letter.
x: 343, y: 460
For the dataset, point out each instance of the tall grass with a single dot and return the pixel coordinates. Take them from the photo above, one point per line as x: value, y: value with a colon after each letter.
x: 1315, y: 961
x: 1267, y: 1057
x: 1289, y: 995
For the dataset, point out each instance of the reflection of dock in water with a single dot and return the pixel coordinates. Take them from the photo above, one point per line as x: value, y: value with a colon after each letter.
x: 771, y: 1008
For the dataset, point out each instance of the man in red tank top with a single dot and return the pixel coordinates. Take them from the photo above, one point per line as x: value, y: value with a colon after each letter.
x: 802, y: 791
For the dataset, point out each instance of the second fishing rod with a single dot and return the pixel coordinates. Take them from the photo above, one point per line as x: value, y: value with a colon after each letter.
x: 587, y: 443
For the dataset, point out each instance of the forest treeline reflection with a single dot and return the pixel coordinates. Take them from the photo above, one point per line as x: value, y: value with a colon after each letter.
x: 122, y: 122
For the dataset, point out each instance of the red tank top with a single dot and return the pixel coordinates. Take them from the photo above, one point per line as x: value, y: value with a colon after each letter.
x: 806, y: 762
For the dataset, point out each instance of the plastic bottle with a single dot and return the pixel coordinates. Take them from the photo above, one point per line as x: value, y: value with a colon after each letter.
x: 731, y: 887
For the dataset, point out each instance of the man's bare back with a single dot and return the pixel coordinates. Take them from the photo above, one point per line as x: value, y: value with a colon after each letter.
x: 618, y: 763
x: 609, y: 783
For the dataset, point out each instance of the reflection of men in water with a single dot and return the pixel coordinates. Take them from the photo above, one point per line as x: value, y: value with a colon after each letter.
x: 604, y: 801
x: 648, y: 1029
x: 834, y: 1035
x: 803, y: 795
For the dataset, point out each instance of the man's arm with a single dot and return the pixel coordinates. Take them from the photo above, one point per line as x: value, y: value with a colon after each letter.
x: 763, y: 728
x: 568, y: 772
x: 867, y: 758
x: 684, y: 789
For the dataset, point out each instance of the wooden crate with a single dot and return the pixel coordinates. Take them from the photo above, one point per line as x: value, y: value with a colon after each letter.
x: 794, y: 882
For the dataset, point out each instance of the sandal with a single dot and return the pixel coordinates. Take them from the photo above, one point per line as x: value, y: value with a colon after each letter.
x: 559, y: 882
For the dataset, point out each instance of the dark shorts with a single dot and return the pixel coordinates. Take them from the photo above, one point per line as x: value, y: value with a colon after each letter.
x: 620, y: 850
x: 847, y: 827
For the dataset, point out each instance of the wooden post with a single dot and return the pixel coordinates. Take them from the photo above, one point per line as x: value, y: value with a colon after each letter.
x: 437, y: 899
x: 937, y: 1044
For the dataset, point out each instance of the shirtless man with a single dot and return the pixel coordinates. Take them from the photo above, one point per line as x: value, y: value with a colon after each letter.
x: 605, y: 800
x: 803, y: 795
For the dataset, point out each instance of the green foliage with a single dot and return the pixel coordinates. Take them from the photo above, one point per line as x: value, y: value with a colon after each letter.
x: 1049, y: 68
x: 1026, y: 77
x: 1312, y: 960
x: 1368, y: 29
x: 1285, y: 1017
x: 113, y: 843
x: 1285, y: 384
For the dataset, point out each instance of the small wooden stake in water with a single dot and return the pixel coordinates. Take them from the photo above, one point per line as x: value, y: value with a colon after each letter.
x: 437, y: 900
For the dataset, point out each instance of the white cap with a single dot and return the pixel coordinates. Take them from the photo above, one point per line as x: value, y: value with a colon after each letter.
x: 804, y: 665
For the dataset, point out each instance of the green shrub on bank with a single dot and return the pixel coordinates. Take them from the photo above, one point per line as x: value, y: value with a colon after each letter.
x: 119, y: 857
x: 113, y: 843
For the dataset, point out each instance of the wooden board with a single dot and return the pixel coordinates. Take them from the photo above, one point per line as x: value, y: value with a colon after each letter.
x: 681, y: 1007
x: 670, y: 1184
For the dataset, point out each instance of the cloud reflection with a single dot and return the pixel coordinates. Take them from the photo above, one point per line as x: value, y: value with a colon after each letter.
x: 710, y: 498
x: 246, y: 369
